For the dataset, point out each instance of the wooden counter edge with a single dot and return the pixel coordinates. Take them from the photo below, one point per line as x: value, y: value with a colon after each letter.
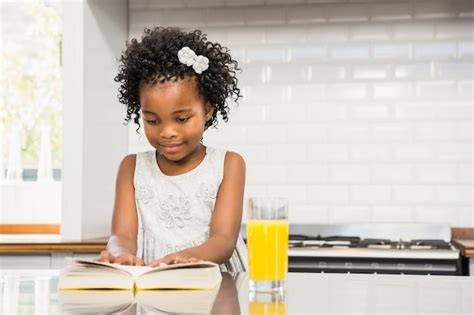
x: 87, y: 246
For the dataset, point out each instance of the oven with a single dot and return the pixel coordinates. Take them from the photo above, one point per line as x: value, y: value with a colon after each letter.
x: 421, y: 249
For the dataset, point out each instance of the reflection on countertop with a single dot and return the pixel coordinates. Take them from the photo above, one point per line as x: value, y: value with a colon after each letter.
x: 35, y: 292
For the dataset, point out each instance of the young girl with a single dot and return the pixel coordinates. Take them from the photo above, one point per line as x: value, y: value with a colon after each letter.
x: 183, y: 201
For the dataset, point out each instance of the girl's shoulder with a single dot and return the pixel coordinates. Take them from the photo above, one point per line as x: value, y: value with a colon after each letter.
x: 233, y: 161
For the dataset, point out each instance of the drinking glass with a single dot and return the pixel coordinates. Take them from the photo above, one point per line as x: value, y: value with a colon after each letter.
x: 267, y: 241
x: 267, y: 303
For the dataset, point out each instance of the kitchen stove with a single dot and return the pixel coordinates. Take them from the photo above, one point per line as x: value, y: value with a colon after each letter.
x: 381, y: 248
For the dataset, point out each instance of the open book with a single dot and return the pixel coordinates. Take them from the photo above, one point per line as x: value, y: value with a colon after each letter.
x: 147, y: 301
x: 89, y: 274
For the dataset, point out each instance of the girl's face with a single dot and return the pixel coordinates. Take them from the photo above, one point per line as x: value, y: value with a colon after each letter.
x: 174, y: 116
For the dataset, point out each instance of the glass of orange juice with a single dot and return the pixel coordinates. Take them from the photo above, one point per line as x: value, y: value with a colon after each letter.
x: 267, y: 303
x: 267, y: 242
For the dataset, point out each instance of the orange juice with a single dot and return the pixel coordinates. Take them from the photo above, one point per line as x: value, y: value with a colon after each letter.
x: 258, y: 308
x: 267, y: 242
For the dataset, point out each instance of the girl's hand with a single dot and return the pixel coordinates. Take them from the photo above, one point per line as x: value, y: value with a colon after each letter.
x: 124, y: 259
x: 176, y: 258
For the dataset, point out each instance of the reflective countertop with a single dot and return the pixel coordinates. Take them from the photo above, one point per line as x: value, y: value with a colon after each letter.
x: 35, y: 292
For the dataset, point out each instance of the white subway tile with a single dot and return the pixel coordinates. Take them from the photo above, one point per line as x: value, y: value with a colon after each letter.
x: 466, y: 49
x: 348, y: 132
x: 306, y: 93
x: 371, y: 194
x: 413, y: 71
x: 296, y: 194
x: 455, y: 111
x: 266, y: 54
x: 346, y: 91
x: 219, y: 16
x: 460, y: 152
x: 454, y: 70
x: 226, y: 134
x: 374, y: 71
x: 413, y: 193
x: 435, y: 9
x: 266, y: 94
x: 306, y: 134
x: 164, y: 4
x: 307, y: 53
x: 413, y: 152
x: 438, y: 89
x: 266, y: 134
x: 369, y: 152
x: 328, y: 152
x: 434, y: 131
x: 391, y: 51
x: 457, y: 194
x: 193, y: 18
x: 392, y: 132
x: 137, y: 4
x: 348, y: 12
x: 318, y: 112
x: 304, y: 213
x: 349, y: 214
x: 323, y: 72
x: 286, y: 73
x: 413, y: 30
x: 307, y: 173
x: 141, y: 18
x: 243, y: 2
x: 252, y: 74
x: 349, y: 173
x: 414, y: 111
x: 346, y: 52
x: 369, y: 32
x: 435, y: 50
x: 328, y: 193
x: 392, y: 173
x: 306, y: 14
x: 465, y: 173
x: 466, y: 89
x: 390, y: 11
x: 327, y: 33
x: 392, y: 214
x: 265, y: 174
x: 204, y: 3
x: 436, y: 173
x: 245, y: 36
x: 264, y: 15
x: 436, y: 214
x: 288, y: 152
x: 464, y: 131
x: 369, y: 112
x: 395, y: 90
x: 455, y: 29
x: 252, y: 153
x: 285, y: 34
x: 284, y: 113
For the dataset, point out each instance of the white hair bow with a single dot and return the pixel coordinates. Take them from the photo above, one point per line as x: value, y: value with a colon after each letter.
x: 188, y: 57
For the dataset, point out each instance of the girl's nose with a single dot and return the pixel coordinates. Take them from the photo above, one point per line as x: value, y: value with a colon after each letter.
x: 167, y: 132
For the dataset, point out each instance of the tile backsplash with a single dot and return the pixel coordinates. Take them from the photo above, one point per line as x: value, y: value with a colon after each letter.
x: 357, y: 111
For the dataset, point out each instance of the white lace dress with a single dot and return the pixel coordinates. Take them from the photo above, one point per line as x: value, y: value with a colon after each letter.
x: 174, y: 212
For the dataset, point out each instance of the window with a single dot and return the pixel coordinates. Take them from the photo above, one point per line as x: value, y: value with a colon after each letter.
x: 30, y: 114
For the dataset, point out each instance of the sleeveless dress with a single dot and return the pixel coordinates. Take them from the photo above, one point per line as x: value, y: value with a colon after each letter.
x: 174, y: 212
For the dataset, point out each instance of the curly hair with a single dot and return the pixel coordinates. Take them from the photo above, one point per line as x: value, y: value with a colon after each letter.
x: 155, y: 59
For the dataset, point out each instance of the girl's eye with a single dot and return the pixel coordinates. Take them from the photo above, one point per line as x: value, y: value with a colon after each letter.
x: 182, y: 119
x: 152, y: 122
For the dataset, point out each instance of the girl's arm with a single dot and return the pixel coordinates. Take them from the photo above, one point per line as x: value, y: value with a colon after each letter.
x: 226, y: 219
x: 122, y: 245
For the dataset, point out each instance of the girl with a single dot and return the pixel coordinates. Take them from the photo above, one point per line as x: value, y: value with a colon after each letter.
x: 183, y: 201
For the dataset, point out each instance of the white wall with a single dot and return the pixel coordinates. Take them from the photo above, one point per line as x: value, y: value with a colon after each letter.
x: 357, y: 111
x: 94, y: 140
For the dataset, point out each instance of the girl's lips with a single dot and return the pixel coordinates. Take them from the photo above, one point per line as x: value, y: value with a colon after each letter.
x: 171, y: 148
